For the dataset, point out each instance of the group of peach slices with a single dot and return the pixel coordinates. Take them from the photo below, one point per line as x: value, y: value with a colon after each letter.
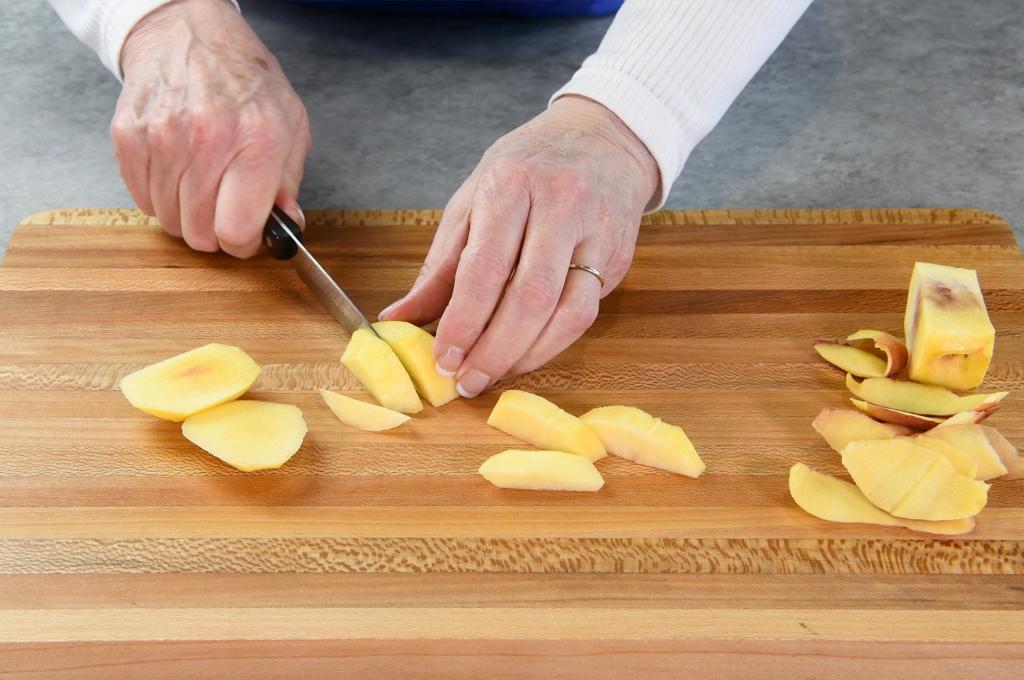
x: 200, y: 389
x: 917, y: 452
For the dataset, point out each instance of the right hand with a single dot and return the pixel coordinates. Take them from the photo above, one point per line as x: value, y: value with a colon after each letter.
x: 208, y: 131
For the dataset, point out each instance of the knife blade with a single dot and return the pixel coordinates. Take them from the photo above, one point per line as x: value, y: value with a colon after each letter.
x: 283, y: 238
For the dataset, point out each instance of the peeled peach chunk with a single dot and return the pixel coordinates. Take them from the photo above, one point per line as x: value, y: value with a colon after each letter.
x: 640, y: 437
x: 961, y: 461
x: 852, y: 359
x: 541, y: 471
x: 248, y: 435
x: 837, y: 500
x: 175, y: 388
x: 947, y: 327
x: 885, y: 344
x: 536, y: 420
x: 915, y: 398
x: 360, y: 414
x: 974, y: 440
x: 840, y: 426
x: 415, y: 349
x: 377, y: 367
x: 911, y: 481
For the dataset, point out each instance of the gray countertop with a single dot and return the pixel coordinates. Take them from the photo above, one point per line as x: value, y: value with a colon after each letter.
x: 868, y: 103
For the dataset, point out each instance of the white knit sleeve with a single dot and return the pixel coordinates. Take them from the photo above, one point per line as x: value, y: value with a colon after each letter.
x: 104, y: 25
x: 670, y: 68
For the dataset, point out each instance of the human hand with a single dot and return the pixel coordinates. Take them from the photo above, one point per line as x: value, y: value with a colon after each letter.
x: 567, y: 187
x: 208, y: 131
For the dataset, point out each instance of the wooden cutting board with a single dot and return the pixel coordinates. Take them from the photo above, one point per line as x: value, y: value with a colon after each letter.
x: 127, y: 553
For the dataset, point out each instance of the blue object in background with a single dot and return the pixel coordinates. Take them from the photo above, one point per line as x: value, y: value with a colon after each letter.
x: 524, y: 8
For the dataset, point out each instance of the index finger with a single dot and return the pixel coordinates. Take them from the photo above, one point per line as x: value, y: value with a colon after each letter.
x: 246, y: 195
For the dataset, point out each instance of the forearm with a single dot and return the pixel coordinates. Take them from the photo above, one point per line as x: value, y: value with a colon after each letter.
x: 671, y: 68
x: 104, y: 25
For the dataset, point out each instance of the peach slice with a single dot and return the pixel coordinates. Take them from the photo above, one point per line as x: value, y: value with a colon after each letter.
x: 915, y: 398
x: 248, y: 435
x: 840, y: 426
x: 979, y: 442
x: 852, y: 360
x: 886, y: 344
x: 911, y: 481
x: 369, y: 417
x: 865, y: 354
x: 640, y: 437
x: 1007, y: 452
x: 837, y: 500
x: 377, y: 367
x: 541, y: 471
x: 947, y: 327
x: 415, y: 349
x: 970, y: 417
x: 536, y: 420
x: 962, y: 462
x: 894, y: 417
x: 175, y: 388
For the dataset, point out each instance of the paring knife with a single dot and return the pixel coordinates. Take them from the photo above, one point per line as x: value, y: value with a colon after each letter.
x: 283, y: 238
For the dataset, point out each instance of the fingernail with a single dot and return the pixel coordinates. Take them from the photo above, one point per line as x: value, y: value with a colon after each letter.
x: 302, y: 216
x: 383, y: 315
x: 472, y: 383
x: 450, y: 361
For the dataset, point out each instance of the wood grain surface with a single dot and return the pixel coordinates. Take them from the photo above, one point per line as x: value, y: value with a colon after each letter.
x: 126, y: 553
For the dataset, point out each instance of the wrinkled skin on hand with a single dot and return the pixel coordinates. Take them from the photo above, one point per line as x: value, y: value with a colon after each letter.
x: 567, y: 187
x: 208, y: 131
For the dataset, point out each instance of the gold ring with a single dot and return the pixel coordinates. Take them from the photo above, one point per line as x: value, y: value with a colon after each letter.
x: 590, y: 270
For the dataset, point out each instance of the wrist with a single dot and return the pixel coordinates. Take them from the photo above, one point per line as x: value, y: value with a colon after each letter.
x: 594, y: 115
x: 165, y: 24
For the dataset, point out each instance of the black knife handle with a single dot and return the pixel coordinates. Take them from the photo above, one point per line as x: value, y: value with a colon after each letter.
x: 280, y: 245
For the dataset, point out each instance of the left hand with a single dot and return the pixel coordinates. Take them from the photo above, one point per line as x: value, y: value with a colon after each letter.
x: 567, y: 187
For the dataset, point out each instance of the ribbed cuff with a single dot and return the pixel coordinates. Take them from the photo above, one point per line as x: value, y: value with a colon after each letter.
x: 118, y: 22
x: 646, y: 115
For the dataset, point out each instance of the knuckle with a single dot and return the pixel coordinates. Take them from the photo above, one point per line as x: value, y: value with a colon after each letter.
x: 122, y: 127
x: 536, y: 292
x: 163, y: 135
x: 569, y: 182
x: 504, y: 172
x: 579, y: 315
x: 483, y: 267
x: 236, y: 233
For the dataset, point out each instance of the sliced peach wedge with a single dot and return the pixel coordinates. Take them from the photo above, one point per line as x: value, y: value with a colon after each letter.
x: 916, y: 398
x: 415, y: 349
x: 1008, y: 453
x: 175, y: 388
x: 947, y: 327
x: 851, y: 359
x: 895, y: 417
x: 536, y: 420
x: 963, y: 462
x: 837, y: 500
x: 640, y: 437
x: 884, y: 344
x: 980, y: 442
x: 919, y: 422
x: 248, y: 435
x: 361, y: 414
x: 865, y: 354
x: 541, y: 471
x: 377, y: 367
x: 840, y: 426
x: 911, y: 481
